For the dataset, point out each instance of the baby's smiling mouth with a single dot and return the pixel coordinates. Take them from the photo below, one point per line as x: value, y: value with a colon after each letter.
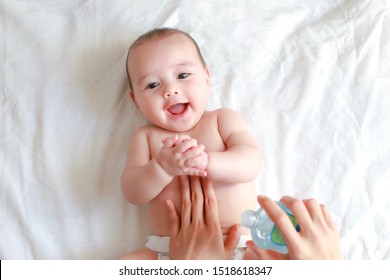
x: 178, y: 108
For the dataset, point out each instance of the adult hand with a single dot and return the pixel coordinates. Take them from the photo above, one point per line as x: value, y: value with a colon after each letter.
x: 196, y: 233
x: 317, y: 239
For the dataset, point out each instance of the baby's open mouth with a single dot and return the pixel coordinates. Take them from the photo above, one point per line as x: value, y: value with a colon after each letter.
x: 178, y: 108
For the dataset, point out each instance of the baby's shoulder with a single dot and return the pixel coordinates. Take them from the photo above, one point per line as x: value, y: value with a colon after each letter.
x: 229, y: 120
x: 225, y: 110
x: 140, y: 131
x: 150, y: 131
x: 226, y: 114
x: 221, y: 112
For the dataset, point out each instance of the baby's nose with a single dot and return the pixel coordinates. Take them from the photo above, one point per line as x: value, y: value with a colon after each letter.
x: 170, y: 93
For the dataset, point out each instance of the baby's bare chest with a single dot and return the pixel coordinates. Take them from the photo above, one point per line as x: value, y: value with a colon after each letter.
x: 205, y: 133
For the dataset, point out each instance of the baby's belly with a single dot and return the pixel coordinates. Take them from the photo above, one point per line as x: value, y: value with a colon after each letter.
x: 232, y: 201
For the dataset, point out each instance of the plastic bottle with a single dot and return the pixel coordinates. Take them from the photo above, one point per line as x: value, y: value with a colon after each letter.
x: 263, y: 230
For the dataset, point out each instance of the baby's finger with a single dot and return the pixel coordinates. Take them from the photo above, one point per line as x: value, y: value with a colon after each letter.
x: 201, y: 161
x: 185, y: 145
x: 195, y: 172
x: 182, y: 138
x: 169, y: 142
x: 196, y: 159
x: 193, y: 152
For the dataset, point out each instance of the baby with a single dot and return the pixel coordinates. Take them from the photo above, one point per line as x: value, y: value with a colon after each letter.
x: 170, y: 85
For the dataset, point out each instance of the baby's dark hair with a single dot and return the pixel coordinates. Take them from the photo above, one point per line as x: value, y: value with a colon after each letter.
x: 156, y: 33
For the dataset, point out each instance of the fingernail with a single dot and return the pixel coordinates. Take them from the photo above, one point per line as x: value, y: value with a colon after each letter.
x: 261, y: 196
x: 249, y: 244
x: 168, y: 202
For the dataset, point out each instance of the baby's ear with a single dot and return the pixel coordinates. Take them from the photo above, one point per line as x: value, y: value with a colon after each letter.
x: 208, y: 76
x: 132, y: 95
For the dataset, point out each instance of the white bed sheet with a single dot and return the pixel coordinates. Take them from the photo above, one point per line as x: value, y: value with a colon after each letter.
x: 311, y: 78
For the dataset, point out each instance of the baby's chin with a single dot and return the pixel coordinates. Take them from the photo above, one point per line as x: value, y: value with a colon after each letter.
x: 180, y: 125
x: 177, y: 129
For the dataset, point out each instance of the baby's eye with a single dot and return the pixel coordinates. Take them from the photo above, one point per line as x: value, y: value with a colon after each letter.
x: 152, y: 85
x: 183, y: 75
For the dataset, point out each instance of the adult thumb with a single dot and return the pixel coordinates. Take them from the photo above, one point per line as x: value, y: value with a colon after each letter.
x: 232, y: 240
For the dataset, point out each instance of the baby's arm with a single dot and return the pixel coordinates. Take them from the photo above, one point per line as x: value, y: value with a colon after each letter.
x: 145, y: 176
x: 241, y: 160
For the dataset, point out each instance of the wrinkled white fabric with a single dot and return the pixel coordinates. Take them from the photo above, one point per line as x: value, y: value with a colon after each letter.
x: 311, y: 78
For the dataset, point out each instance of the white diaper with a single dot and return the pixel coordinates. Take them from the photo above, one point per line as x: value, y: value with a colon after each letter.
x: 160, y: 244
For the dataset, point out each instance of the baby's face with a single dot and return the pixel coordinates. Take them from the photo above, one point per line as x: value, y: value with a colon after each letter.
x: 170, y: 84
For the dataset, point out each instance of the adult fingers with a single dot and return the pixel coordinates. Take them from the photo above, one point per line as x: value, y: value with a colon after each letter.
x: 314, y: 210
x: 185, y: 200
x: 255, y: 253
x: 211, y: 204
x: 197, y: 199
x: 280, y: 219
x: 232, y: 240
x: 174, y: 219
x: 300, y: 212
x: 327, y: 216
x: 252, y: 252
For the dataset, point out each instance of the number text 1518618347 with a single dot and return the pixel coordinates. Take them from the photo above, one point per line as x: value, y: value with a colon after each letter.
x: 244, y: 270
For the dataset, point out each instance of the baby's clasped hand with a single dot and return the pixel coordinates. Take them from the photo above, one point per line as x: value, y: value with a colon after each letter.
x: 181, y: 155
